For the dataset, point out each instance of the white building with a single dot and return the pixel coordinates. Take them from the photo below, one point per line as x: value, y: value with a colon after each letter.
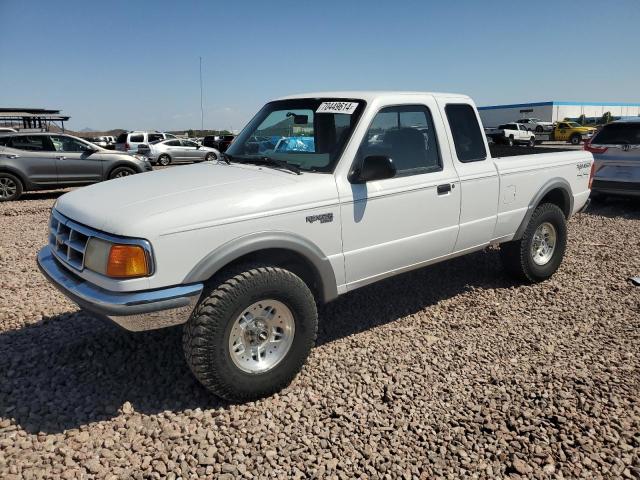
x: 553, y: 111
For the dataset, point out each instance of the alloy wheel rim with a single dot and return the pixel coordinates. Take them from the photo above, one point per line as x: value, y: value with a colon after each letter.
x: 261, y: 336
x: 8, y: 188
x: 123, y: 173
x: 543, y: 244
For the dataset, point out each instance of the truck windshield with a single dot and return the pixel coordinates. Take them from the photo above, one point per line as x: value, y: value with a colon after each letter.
x: 309, y: 133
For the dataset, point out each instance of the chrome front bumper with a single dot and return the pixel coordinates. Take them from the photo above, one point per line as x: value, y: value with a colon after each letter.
x: 134, y: 311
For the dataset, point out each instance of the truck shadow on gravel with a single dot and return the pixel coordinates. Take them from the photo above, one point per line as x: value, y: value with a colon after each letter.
x: 615, y: 207
x: 72, y: 369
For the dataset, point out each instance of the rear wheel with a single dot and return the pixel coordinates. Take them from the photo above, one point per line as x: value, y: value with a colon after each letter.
x: 539, y: 129
x: 538, y: 254
x: 250, y: 336
x: 120, y: 172
x: 164, y: 160
x: 575, y: 139
x: 10, y: 187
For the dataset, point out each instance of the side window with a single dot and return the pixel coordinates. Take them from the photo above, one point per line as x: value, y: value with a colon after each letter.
x: 32, y: 143
x: 68, y: 144
x: 467, y: 137
x: 406, y: 134
x: 154, y: 136
x: 187, y: 143
x: 173, y: 143
x: 137, y: 138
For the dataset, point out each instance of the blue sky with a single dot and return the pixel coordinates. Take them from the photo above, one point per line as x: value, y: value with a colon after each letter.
x: 134, y: 64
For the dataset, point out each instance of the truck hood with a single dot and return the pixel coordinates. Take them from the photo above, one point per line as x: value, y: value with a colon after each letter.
x: 193, y: 196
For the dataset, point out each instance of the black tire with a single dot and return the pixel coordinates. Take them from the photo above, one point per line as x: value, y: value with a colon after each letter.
x: 516, y: 256
x: 206, y: 334
x: 575, y: 139
x: 532, y: 142
x: 120, y: 172
x: 510, y: 141
x: 11, y: 187
x: 164, y: 160
x: 210, y: 157
x: 539, y: 129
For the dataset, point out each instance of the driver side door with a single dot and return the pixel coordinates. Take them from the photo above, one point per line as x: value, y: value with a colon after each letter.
x: 191, y: 151
x: 76, y: 161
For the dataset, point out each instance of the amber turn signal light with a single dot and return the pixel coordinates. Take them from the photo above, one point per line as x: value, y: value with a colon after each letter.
x: 126, y: 261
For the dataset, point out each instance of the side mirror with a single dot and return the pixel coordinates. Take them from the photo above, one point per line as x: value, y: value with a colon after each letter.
x: 375, y: 167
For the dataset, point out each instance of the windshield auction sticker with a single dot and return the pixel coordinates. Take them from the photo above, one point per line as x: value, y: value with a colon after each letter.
x: 337, y: 107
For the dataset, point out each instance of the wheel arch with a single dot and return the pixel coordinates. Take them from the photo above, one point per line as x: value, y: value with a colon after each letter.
x: 282, y: 249
x: 119, y: 164
x: 26, y: 184
x: 556, y: 191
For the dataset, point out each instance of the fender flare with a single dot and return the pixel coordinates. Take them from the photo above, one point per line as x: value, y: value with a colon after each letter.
x: 552, y: 184
x: 253, y: 242
x: 26, y: 184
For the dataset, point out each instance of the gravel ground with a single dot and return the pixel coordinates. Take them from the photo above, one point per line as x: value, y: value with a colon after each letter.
x: 451, y: 371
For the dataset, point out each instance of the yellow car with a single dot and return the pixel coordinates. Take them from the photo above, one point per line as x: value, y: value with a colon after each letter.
x: 572, y: 132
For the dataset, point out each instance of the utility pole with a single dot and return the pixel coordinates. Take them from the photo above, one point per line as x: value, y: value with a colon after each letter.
x: 201, y: 109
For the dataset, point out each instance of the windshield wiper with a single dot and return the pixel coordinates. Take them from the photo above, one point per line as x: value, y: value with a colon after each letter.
x: 264, y: 160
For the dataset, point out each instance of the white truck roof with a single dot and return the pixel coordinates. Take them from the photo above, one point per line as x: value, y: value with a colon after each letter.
x: 369, y: 95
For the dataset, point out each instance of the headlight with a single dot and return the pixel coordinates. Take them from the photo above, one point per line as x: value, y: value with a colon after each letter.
x: 116, y: 260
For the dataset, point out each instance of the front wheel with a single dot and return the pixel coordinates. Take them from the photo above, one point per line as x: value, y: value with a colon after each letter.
x: 532, y: 142
x: 250, y: 336
x: 575, y: 140
x: 539, y: 253
x: 539, y: 129
x: 121, y: 172
x: 164, y: 160
x: 510, y: 141
x: 210, y: 157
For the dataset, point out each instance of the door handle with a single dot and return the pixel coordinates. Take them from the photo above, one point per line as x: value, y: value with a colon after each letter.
x: 444, y: 188
x: 61, y: 157
x: 13, y: 155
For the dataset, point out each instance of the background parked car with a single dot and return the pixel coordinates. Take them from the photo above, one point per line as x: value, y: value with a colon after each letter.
x: 511, y: 134
x: 102, y: 142
x: 572, y: 132
x: 219, y: 142
x: 616, y: 151
x: 164, y: 152
x: 44, y: 161
x: 129, y: 141
x: 7, y: 130
x: 536, y: 125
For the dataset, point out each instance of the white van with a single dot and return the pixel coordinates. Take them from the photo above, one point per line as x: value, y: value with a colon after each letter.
x: 129, y: 141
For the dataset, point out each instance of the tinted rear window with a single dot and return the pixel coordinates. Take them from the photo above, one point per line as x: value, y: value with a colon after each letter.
x: 136, y: 138
x: 619, y: 134
x: 122, y: 138
x: 35, y: 143
x: 467, y: 137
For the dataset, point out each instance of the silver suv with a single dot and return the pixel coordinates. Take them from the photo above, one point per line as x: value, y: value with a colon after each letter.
x: 45, y: 161
x: 616, y: 151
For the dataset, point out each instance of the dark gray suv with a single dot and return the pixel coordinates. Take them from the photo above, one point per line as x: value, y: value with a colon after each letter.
x: 45, y: 161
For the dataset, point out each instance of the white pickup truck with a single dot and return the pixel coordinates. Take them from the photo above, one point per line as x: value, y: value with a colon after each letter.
x: 368, y: 185
x: 511, y: 134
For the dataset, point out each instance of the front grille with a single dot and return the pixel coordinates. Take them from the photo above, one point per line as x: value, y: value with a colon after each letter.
x: 67, y: 242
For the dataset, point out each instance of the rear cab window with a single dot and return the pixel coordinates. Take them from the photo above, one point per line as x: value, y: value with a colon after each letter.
x: 465, y: 129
